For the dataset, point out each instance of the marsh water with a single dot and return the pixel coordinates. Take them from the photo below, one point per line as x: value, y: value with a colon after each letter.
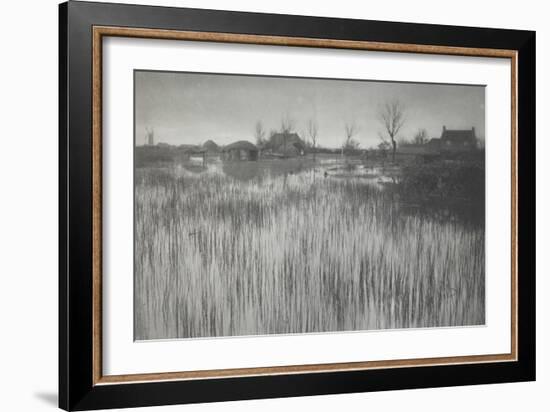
x: 297, y: 246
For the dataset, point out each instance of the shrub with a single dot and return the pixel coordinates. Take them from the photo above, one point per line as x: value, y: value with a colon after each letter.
x: 455, y: 180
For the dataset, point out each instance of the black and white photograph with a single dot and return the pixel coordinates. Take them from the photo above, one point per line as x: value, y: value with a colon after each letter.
x: 283, y: 205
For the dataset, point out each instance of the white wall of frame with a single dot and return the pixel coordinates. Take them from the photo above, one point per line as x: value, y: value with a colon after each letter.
x: 28, y: 211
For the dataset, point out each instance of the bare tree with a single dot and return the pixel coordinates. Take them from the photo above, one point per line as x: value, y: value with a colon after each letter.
x: 349, y: 143
x: 259, y: 134
x: 150, y: 136
x: 312, y: 132
x: 421, y: 137
x: 287, y: 125
x: 392, y: 118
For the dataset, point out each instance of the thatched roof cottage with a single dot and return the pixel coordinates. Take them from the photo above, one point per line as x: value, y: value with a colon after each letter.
x: 211, y: 147
x: 286, y: 144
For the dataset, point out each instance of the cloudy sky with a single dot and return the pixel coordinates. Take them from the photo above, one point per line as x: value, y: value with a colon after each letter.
x: 190, y: 108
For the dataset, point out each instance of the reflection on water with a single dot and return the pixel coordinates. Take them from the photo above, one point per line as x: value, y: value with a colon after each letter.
x: 383, y: 178
x: 243, y: 171
x: 194, y: 167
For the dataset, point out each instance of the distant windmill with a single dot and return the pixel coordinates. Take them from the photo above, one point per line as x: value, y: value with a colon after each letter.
x: 150, y: 137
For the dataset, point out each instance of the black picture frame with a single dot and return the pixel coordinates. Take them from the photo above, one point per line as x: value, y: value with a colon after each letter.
x: 77, y: 390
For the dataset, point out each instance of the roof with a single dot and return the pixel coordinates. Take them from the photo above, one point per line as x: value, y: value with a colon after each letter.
x: 240, y: 145
x: 211, y: 146
x: 458, y: 136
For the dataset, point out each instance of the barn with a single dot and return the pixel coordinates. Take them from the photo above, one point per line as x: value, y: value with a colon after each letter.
x: 241, y: 150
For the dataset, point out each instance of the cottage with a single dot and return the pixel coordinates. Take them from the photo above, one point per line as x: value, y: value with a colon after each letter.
x: 241, y: 150
x: 451, y: 142
x: 285, y: 144
x: 457, y: 141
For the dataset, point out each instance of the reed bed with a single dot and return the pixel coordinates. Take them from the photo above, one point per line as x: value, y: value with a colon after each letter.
x: 218, y: 256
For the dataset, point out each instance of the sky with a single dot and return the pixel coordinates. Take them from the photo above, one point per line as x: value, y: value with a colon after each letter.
x: 191, y: 108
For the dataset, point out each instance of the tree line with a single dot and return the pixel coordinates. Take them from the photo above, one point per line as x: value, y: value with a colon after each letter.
x: 391, y: 117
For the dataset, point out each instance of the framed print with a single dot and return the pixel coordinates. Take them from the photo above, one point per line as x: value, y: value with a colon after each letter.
x: 257, y: 205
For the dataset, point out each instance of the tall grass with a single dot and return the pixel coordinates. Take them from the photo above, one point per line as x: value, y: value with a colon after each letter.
x: 219, y: 256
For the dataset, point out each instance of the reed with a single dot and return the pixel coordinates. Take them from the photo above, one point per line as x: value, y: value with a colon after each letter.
x: 294, y: 253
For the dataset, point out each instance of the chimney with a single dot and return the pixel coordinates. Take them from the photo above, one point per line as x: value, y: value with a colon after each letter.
x: 444, y: 128
x: 474, y: 131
